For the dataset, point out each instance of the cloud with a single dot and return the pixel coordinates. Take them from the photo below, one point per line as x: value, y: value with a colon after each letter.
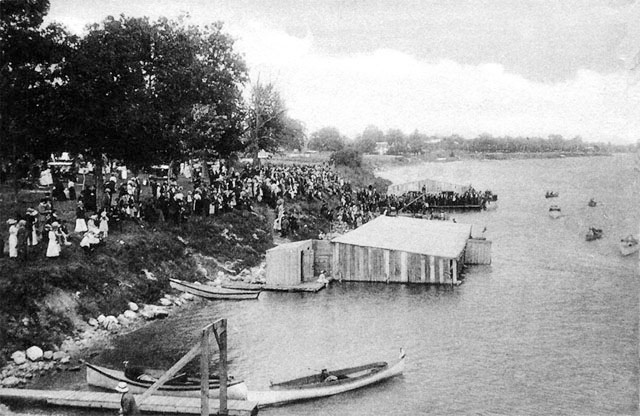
x: 392, y: 89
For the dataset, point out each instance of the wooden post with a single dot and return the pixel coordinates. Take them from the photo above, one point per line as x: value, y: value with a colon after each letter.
x: 204, y: 371
x: 454, y: 277
x: 432, y: 269
x: 220, y: 330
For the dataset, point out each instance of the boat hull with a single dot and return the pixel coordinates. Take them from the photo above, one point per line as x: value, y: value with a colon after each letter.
x: 107, y: 378
x: 279, y: 396
x: 211, y: 292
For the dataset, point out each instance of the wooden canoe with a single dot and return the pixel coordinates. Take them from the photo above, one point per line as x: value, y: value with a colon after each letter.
x: 213, y: 292
x: 107, y: 378
x: 327, y: 383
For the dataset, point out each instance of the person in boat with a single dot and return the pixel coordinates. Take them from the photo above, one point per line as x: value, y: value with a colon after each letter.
x: 136, y: 373
x: 327, y: 377
x: 128, y: 405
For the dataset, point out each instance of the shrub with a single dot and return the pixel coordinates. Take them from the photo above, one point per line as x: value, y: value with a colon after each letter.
x: 347, y: 157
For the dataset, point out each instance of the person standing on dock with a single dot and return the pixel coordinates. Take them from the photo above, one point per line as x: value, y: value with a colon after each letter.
x: 128, y: 404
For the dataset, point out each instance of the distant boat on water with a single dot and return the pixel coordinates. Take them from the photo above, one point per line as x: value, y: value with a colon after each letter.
x: 629, y: 245
x: 551, y: 194
x: 555, y: 211
x: 594, y: 234
x: 592, y: 203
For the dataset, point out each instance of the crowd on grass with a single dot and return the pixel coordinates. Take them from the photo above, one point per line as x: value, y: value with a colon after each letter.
x: 227, y: 188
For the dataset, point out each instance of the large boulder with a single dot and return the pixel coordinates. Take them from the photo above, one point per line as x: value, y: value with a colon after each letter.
x: 35, y: 353
x: 59, y: 355
x: 10, y: 381
x: 48, y: 355
x: 133, y: 307
x: 94, y: 322
x: 110, y: 323
x: 165, y: 302
x: 19, y: 357
x: 130, y: 314
x: 154, y: 312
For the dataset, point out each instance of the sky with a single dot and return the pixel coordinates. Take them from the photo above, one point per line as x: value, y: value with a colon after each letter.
x: 501, y: 67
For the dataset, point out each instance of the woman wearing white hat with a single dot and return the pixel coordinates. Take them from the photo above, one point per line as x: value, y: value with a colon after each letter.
x: 53, y: 249
x: 128, y: 404
x: 13, y: 237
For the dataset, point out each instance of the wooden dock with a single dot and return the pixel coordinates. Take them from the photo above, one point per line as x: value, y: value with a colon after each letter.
x: 111, y: 401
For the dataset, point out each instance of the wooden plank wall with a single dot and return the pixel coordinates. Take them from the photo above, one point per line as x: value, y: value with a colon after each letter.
x: 284, y: 267
x: 322, y: 256
x: 368, y: 264
x: 477, y: 252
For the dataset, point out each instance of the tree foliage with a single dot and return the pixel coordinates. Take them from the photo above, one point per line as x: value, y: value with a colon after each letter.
x: 154, y: 91
x: 327, y: 139
x: 31, y: 72
x: 268, y: 127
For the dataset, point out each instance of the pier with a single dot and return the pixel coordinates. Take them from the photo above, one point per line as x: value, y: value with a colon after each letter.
x: 148, y: 401
x: 111, y: 401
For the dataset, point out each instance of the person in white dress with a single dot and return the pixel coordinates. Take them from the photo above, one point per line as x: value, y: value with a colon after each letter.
x: 81, y: 222
x: 53, y: 249
x: 104, y: 224
x: 13, y: 237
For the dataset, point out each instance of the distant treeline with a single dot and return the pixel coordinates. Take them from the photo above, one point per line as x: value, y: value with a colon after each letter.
x: 395, y: 142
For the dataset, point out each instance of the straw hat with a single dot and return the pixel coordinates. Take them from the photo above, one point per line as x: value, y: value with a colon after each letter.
x: 94, y: 216
x: 11, y: 221
x: 55, y: 224
x: 122, y: 387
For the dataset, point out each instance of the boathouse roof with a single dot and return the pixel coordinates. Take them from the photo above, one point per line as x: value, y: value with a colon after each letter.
x: 414, y: 235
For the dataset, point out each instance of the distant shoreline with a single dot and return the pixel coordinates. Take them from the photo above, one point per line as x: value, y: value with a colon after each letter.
x: 379, y: 162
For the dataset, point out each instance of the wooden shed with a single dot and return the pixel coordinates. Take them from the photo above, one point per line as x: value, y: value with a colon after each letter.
x: 290, y: 264
x: 401, y: 249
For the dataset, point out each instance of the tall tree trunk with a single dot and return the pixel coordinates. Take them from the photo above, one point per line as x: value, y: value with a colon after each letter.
x: 98, y: 179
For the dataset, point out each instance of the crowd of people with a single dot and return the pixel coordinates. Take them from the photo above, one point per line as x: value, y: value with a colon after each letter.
x: 228, y: 188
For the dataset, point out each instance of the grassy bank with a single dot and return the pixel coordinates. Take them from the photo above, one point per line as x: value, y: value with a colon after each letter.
x: 45, y: 298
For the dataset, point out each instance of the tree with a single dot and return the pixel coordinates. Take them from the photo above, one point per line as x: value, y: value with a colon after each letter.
x: 327, y: 139
x: 397, y: 141
x: 32, y: 60
x: 366, y: 143
x: 293, y: 135
x: 144, y: 92
x: 267, y: 125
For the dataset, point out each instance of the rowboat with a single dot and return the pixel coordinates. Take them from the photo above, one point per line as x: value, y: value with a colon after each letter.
x: 213, y: 292
x: 551, y: 194
x: 107, y: 378
x: 629, y: 245
x: 592, y: 203
x: 327, y: 383
x: 554, y: 211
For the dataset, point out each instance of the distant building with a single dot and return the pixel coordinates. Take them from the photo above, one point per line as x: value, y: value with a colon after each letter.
x: 382, y: 148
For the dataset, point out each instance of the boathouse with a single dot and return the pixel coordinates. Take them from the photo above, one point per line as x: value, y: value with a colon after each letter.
x: 401, y: 249
x: 292, y: 264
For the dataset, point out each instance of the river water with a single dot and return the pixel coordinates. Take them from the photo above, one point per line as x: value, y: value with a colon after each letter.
x: 550, y: 327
